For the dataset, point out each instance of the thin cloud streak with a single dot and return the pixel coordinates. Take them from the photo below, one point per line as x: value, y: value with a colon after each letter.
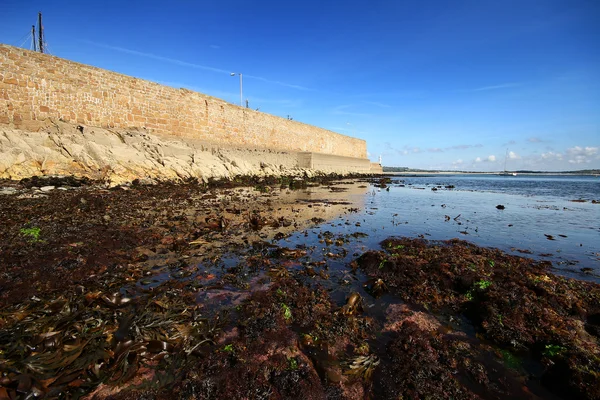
x: 340, y: 110
x: 188, y: 64
x: 211, y: 92
x: 374, y: 103
x: 415, y: 94
x: 536, y: 139
x: 254, y: 101
x: 496, y: 87
x: 260, y: 78
x: 463, y: 146
x: 156, y: 57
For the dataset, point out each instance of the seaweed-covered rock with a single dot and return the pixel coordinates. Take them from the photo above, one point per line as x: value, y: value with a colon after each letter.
x: 514, y: 302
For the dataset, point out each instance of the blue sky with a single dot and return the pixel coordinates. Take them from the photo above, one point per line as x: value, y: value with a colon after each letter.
x: 426, y: 84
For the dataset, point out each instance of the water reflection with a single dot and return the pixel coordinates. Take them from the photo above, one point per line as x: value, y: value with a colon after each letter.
x: 540, y: 226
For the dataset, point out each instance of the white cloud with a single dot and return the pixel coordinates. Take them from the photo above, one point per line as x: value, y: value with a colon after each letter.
x: 579, y: 160
x: 552, y: 156
x: 584, y: 151
x: 582, y: 155
x: 488, y: 159
x: 573, y: 158
x: 406, y: 150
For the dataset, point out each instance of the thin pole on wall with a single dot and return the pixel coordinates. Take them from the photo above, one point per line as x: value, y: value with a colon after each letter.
x: 241, y: 101
x: 33, y: 37
x: 241, y: 84
x: 40, y: 28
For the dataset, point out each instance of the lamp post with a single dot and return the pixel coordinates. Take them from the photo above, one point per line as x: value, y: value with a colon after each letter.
x: 241, y: 97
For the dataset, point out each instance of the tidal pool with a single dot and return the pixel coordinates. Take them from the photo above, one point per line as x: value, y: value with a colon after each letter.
x: 548, y: 226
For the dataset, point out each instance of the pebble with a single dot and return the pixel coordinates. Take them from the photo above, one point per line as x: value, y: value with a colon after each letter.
x: 47, y: 188
x: 8, y: 190
x: 31, y: 196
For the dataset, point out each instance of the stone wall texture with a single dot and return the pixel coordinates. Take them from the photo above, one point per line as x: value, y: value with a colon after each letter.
x: 35, y: 86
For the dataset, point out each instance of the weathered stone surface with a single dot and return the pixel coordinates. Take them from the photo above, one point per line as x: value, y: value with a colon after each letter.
x: 120, y: 155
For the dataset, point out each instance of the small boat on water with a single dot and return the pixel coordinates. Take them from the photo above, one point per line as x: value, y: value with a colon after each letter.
x: 506, y: 173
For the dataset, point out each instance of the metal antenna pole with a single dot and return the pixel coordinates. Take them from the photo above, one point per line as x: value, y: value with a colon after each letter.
x: 33, y: 37
x: 41, y: 40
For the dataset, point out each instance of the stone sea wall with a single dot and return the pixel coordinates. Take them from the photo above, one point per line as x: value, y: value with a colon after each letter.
x: 35, y: 87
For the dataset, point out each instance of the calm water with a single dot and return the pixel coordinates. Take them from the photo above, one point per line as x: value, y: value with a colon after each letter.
x: 552, y: 186
x: 539, y: 220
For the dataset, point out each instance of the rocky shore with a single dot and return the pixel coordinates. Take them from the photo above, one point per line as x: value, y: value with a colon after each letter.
x: 207, y: 291
x: 118, y: 156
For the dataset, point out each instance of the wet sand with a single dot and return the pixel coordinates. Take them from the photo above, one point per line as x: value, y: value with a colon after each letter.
x: 198, y: 291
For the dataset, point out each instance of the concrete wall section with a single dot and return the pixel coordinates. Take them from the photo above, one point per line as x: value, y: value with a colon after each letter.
x: 376, y: 168
x: 36, y: 86
x: 332, y: 163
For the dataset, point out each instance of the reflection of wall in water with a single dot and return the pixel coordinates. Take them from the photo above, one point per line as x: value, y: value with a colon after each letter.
x: 327, y: 203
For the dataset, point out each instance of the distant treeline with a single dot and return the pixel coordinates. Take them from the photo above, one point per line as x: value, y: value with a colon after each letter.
x: 578, y: 172
x: 523, y: 171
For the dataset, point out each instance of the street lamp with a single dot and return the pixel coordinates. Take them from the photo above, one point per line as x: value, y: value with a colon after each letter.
x: 241, y: 101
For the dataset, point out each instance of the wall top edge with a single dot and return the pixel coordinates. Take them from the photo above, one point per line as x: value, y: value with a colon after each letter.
x: 332, y: 155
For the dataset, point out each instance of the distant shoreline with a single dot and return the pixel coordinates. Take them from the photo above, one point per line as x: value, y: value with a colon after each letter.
x: 529, y: 173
